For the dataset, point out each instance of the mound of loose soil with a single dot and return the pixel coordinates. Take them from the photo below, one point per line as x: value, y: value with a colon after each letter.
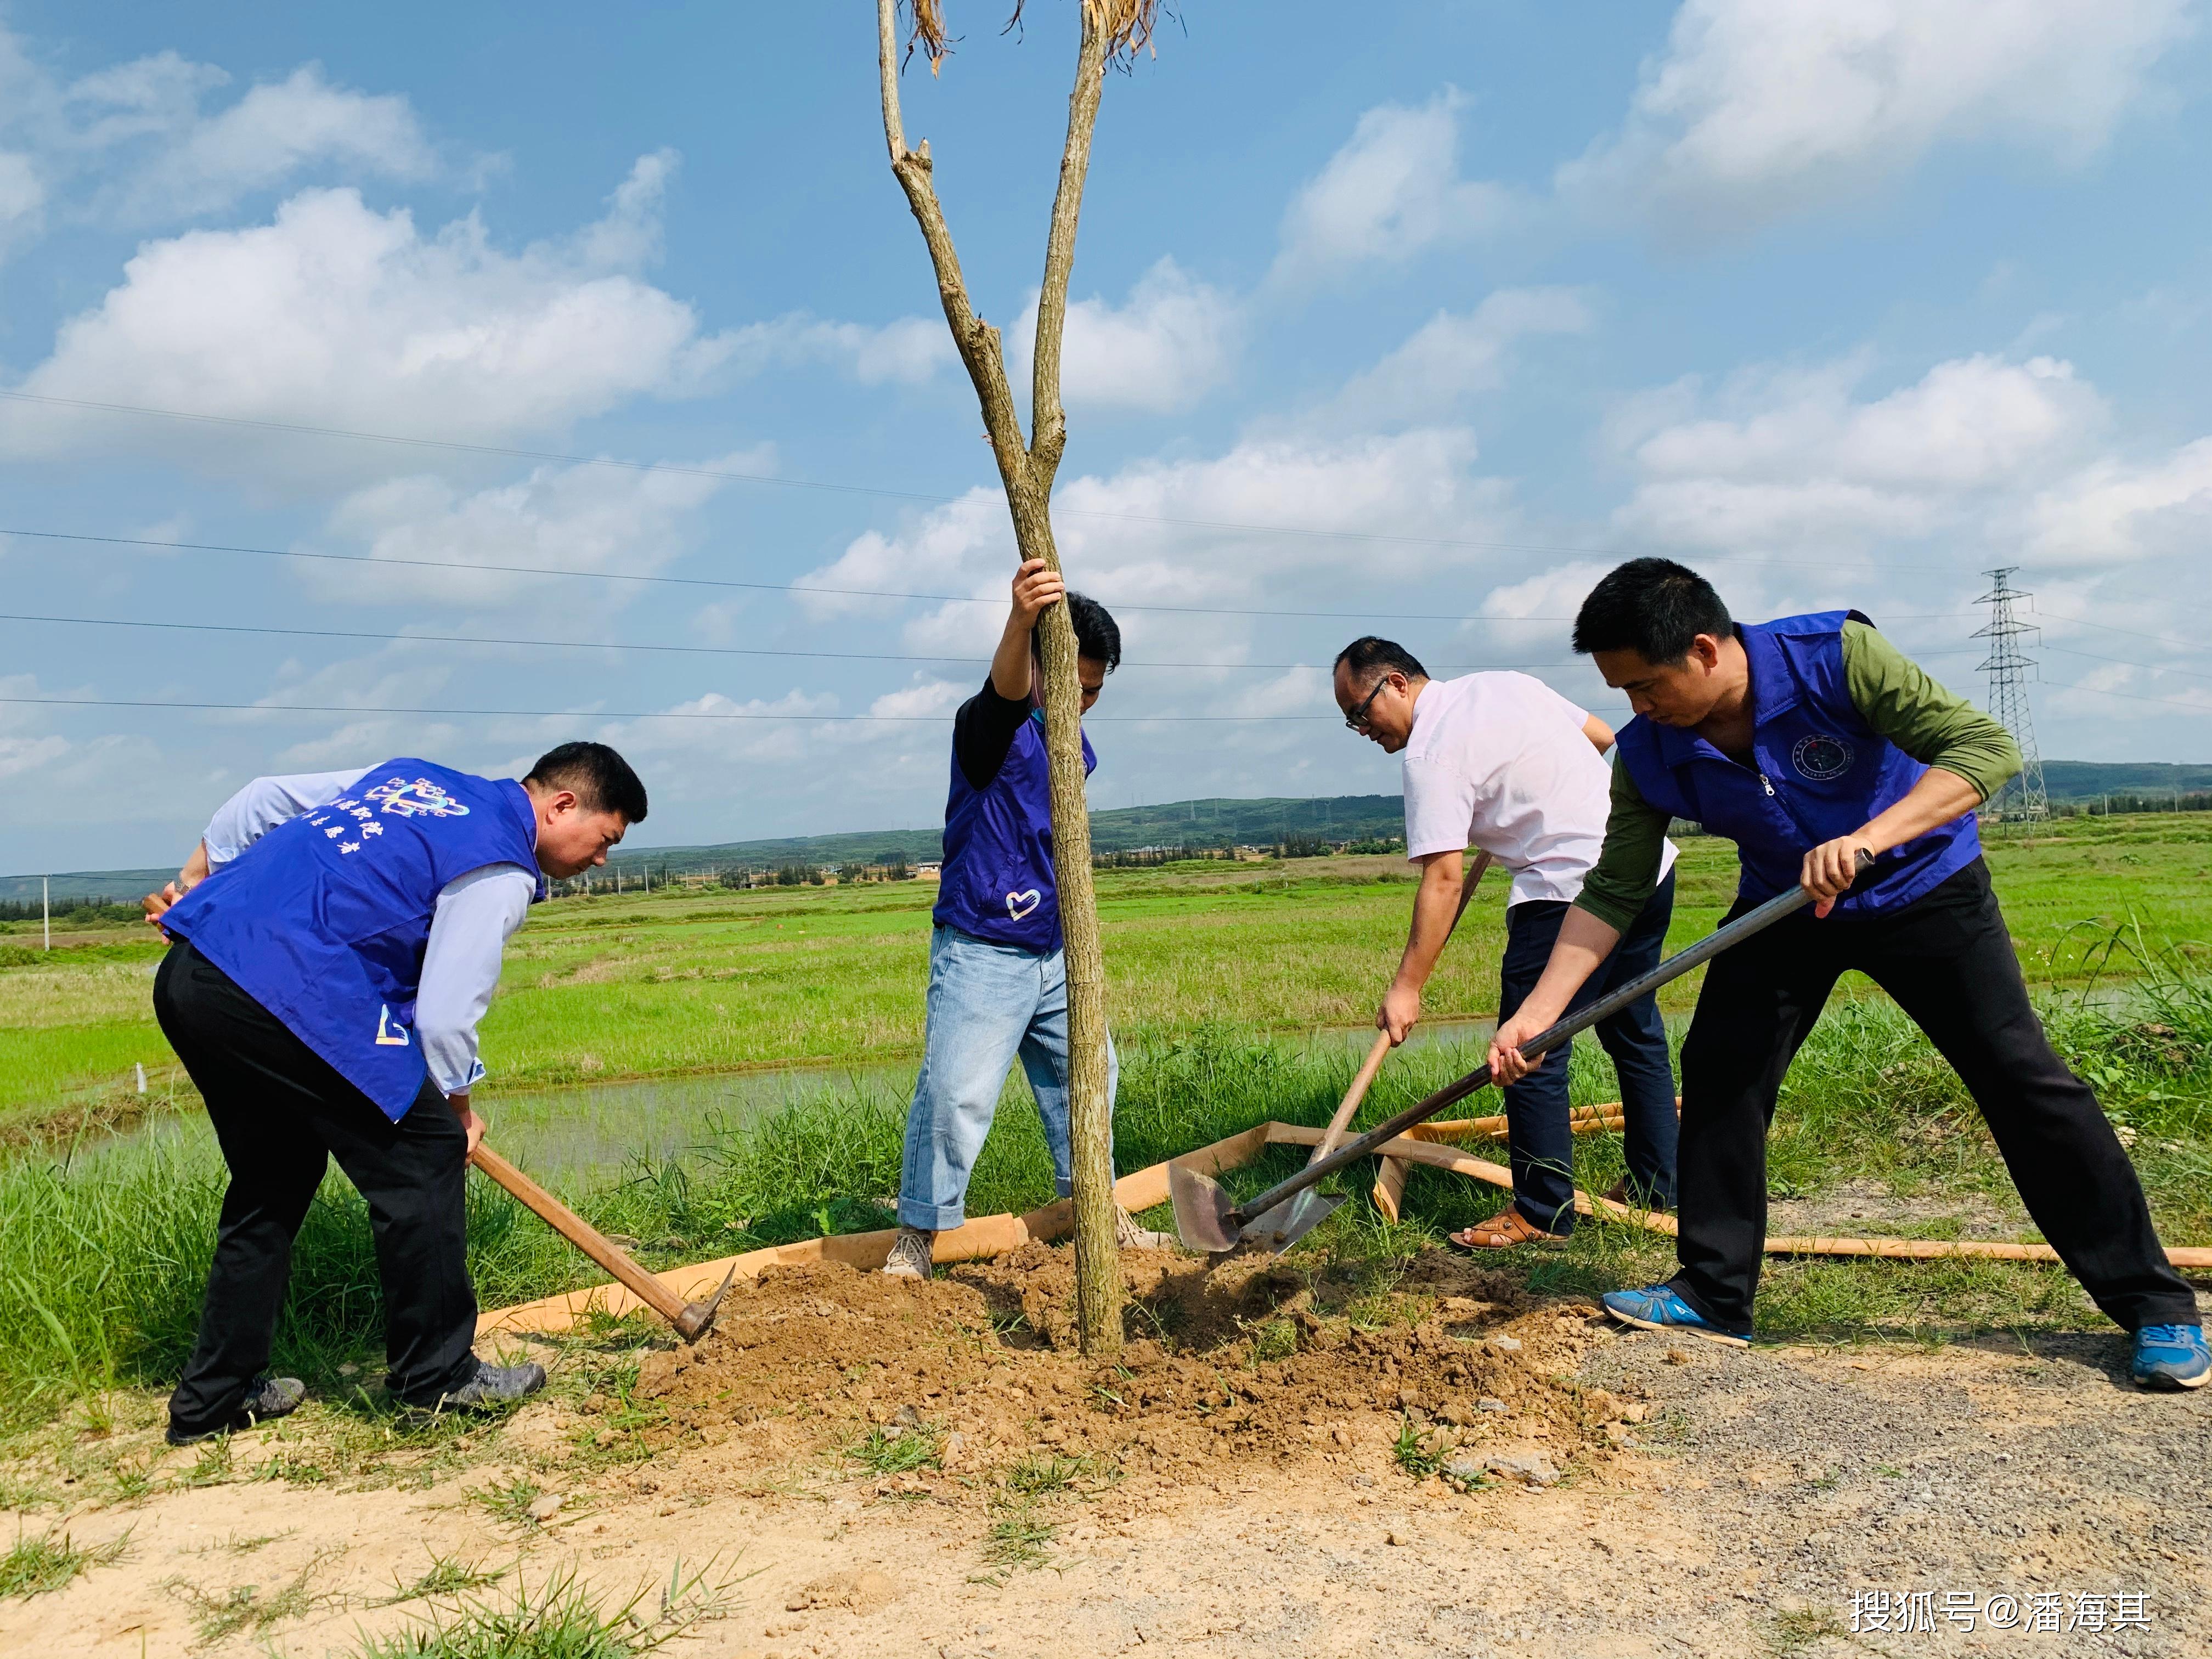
x: 1251, y: 1361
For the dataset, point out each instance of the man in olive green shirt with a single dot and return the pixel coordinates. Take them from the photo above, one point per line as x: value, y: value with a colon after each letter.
x: 1813, y: 744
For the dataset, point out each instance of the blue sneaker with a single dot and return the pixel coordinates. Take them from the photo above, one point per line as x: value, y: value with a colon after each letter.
x: 1656, y: 1308
x: 2171, y: 1357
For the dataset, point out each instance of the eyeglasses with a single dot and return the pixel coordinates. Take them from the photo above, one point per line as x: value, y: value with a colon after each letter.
x: 1357, y: 718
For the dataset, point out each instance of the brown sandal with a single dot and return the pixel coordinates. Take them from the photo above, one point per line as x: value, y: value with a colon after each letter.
x: 1508, y: 1228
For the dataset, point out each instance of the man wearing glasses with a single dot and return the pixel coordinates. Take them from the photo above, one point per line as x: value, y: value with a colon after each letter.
x: 1503, y: 762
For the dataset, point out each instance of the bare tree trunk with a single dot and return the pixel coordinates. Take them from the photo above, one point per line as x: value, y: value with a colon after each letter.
x: 1028, y: 471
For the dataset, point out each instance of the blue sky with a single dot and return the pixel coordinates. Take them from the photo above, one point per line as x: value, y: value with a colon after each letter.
x: 1417, y: 321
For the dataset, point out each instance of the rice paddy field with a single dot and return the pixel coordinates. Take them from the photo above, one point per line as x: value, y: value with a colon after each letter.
x: 687, y: 981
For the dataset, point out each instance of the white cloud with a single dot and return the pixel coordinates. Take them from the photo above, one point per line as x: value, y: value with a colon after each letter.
x: 1758, y: 109
x: 136, y: 143
x: 275, y: 131
x: 1793, y: 458
x: 1173, y: 342
x: 1156, y: 533
x: 1454, y: 354
x: 22, y: 199
x: 907, y: 350
x: 2114, y: 511
x: 586, y: 519
x: 335, y: 314
x: 1391, y: 191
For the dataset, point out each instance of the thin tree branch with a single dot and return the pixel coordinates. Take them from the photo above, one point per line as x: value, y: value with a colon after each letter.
x: 976, y: 340
x: 1047, y: 419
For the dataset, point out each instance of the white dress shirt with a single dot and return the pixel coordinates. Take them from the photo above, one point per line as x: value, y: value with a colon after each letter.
x: 477, y: 913
x: 1499, y: 761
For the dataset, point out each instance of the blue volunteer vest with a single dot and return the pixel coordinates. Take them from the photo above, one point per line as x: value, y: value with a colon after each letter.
x: 322, y: 921
x: 1818, y: 771
x: 998, y: 881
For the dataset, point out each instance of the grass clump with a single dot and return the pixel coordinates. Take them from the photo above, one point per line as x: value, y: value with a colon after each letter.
x: 37, y: 1566
x: 508, y: 1501
x: 563, y: 1618
x: 244, y: 1610
x: 898, y: 1450
x: 448, y: 1576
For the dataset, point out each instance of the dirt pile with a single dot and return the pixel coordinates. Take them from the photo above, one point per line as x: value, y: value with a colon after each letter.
x: 1253, y: 1360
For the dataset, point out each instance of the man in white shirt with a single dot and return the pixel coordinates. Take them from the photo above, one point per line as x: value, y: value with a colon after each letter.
x: 336, y: 937
x: 1503, y: 762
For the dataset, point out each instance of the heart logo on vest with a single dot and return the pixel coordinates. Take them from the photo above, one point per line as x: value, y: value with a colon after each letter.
x: 1820, y: 758
x: 1017, y: 908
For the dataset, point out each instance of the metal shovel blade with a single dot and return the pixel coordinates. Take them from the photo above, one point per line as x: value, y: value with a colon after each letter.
x: 1279, y: 1229
x: 1201, y: 1211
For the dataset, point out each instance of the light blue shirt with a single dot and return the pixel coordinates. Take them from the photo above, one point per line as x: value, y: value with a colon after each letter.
x: 477, y: 913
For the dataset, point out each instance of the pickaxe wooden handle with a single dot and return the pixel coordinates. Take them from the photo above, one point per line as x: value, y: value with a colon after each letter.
x: 691, y: 1319
x: 1390, y: 1176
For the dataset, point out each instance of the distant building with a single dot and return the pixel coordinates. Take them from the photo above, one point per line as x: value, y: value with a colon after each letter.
x: 929, y: 869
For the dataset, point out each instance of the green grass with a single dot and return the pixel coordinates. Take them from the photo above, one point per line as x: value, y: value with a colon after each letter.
x: 896, y: 1452
x: 51, y: 1562
x: 564, y: 1617
x: 245, y: 1609
x: 107, y: 1247
x: 680, y: 982
x: 448, y: 1576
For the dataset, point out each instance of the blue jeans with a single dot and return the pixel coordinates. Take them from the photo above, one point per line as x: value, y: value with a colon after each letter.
x: 1540, y: 1144
x: 987, y: 1003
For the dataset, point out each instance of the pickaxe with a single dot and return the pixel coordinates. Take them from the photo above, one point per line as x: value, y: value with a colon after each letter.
x: 691, y: 1319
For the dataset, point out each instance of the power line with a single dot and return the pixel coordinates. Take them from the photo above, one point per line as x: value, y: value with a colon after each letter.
x: 373, y: 564
x: 626, y: 644
x: 732, y: 474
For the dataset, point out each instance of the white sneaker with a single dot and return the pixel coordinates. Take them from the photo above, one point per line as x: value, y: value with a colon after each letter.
x: 1128, y: 1235
x: 910, y: 1253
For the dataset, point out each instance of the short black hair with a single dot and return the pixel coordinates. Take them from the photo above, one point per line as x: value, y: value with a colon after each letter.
x: 1654, y: 607
x: 600, y: 778
x: 1370, y: 658
x: 1097, y: 635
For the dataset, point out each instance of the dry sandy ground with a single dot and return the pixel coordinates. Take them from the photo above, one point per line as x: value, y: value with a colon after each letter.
x: 1755, y: 1494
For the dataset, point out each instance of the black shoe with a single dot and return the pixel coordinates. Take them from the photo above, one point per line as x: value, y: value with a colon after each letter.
x: 492, y: 1386
x: 266, y: 1400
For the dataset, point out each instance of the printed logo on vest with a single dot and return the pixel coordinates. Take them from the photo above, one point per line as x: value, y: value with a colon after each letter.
x: 419, y: 798
x: 389, y: 1036
x: 1017, y: 908
x: 1820, y: 758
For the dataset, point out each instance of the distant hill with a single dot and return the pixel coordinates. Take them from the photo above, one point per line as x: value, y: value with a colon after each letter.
x: 2084, y: 781
x: 1207, y: 823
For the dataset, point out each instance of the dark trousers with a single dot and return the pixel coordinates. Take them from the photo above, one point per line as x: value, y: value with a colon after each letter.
x: 1947, y: 961
x: 1540, y: 1141
x: 280, y: 1111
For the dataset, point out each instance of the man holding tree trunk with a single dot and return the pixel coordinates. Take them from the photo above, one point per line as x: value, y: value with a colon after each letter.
x: 997, y: 975
x: 1813, y: 744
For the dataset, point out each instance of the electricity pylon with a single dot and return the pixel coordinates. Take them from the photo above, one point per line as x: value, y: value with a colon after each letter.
x: 2011, y: 670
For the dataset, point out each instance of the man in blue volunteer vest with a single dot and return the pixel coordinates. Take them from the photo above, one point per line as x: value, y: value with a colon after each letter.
x: 998, y: 984
x: 1809, y: 742
x: 336, y: 937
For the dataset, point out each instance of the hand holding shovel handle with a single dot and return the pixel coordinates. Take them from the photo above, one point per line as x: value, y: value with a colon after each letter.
x: 1205, y: 1219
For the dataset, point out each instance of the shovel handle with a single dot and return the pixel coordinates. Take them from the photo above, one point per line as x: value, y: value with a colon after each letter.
x: 581, y: 1233
x: 1751, y: 921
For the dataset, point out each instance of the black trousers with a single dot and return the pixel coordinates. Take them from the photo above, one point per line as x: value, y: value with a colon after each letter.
x: 280, y: 1111
x: 1947, y: 961
x: 1539, y: 1135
